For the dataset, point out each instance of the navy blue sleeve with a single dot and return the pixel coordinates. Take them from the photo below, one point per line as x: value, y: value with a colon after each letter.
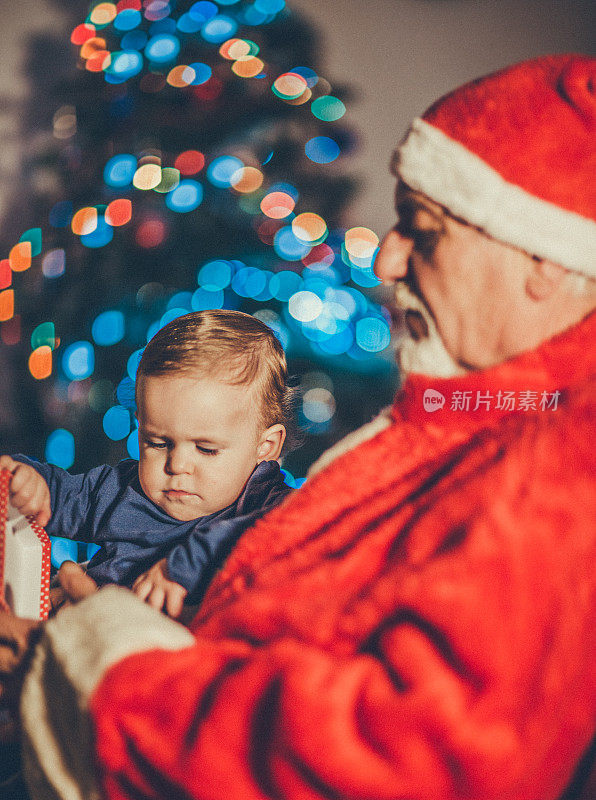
x: 71, y: 497
x: 194, y: 562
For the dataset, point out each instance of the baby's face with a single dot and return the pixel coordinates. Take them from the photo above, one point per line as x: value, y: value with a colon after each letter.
x: 199, y: 442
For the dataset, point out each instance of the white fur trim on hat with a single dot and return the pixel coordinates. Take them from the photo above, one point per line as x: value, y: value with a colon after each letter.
x: 446, y: 172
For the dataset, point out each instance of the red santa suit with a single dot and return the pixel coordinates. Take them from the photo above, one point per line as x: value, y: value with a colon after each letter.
x: 417, y: 621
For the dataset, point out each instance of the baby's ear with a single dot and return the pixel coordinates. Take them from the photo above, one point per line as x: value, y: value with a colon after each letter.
x: 271, y: 443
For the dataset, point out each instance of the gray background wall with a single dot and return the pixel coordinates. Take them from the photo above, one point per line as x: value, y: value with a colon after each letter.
x: 400, y: 55
x: 397, y: 55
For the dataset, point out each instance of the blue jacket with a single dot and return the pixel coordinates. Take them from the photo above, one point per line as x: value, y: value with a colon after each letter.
x: 108, y: 507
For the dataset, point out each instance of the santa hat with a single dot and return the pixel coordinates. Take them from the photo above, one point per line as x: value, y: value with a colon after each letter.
x: 514, y: 153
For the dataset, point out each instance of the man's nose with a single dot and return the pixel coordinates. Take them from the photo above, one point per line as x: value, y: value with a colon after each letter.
x: 179, y: 461
x: 391, y: 262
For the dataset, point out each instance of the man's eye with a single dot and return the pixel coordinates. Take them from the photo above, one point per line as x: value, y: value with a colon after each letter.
x: 207, y: 451
x: 425, y: 241
x: 156, y: 445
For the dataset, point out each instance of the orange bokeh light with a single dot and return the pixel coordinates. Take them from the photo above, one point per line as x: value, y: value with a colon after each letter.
x: 248, y: 68
x: 20, y: 257
x: 181, y: 76
x: 361, y: 242
x: 84, y: 221
x: 92, y: 46
x: 6, y: 305
x: 40, y: 362
x: 247, y: 179
x: 99, y: 61
x: 277, y: 205
x: 309, y: 227
x: 240, y: 47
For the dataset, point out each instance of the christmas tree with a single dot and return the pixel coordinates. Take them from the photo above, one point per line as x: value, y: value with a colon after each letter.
x: 181, y: 156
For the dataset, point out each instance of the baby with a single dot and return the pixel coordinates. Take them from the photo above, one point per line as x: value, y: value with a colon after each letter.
x: 213, y: 408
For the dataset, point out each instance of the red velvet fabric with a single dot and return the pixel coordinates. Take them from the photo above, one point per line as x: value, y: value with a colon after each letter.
x: 513, y: 121
x: 416, y: 622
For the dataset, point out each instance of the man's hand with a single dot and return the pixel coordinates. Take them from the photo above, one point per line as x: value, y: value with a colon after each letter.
x: 73, y: 584
x: 156, y: 588
x: 29, y: 493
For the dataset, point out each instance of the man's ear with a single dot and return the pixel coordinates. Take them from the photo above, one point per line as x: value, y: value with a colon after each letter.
x: 544, y: 279
x: 271, y: 443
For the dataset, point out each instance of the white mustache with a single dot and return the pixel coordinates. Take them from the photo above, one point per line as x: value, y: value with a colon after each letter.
x: 426, y: 355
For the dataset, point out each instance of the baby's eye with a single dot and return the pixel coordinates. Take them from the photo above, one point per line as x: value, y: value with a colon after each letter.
x: 207, y: 451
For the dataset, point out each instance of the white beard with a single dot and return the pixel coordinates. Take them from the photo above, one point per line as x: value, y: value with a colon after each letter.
x: 428, y: 355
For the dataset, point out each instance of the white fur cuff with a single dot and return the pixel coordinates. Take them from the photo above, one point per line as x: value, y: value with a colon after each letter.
x: 76, y: 650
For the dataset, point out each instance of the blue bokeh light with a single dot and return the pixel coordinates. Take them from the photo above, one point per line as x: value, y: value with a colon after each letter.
x: 322, y: 149
x: 288, y: 246
x: 91, y: 549
x: 202, y: 73
x: 180, y: 300
x: 119, y: 170
x: 270, y: 6
x: 102, y: 235
x: 286, y: 188
x: 162, y: 48
x: 221, y: 170
x: 132, y: 444
x: 204, y: 299
x: 203, y: 11
x: 127, y: 19
x: 164, y: 25
x: 60, y: 448
x: 364, y: 277
x: 63, y: 550
x: 218, y: 29
x: 185, y: 197
x: 134, y: 40
x: 189, y: 24
x: 125, y: 64
x: 133, y: 363
x: 250, y: 15
x: 215, y: 275
x: 172, y: 313
x: 61, y: 214
x: 249, y: 282
x: 78, y: 361
x: 108, y: 328
x: 116, y: 423
x: 338, y: 343
x: 372, y: 334
x: 125, y: 393
x: 284, y: 284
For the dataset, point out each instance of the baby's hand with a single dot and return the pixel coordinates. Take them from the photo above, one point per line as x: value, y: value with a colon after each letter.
x: 156, y: 588
x: 29, y: 493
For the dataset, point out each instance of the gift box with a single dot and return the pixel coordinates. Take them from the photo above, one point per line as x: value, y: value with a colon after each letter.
x: 24, y: 560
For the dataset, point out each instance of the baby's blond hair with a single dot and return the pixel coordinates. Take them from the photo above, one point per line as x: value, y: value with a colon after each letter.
x: 232, y: 346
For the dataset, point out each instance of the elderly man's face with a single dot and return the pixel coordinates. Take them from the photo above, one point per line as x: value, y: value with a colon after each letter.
x: 466, y: 282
